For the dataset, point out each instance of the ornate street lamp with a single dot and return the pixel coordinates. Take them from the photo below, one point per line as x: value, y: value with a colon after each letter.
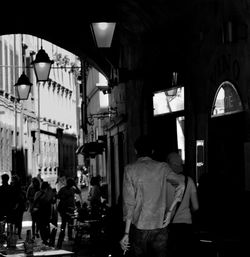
x: 42, y: 65
x: 22, y: 90
x: 103, y: 33
x: 23, y: 87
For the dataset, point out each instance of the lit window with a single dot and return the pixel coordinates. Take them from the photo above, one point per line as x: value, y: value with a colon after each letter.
x: 104, y: 100
x: 226, y: 101
x: 171, y: 100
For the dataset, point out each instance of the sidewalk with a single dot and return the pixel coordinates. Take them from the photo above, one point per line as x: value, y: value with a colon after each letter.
x: 26, y: 225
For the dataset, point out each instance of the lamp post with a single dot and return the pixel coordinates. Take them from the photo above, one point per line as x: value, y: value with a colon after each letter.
x: 42, y: 66
x: 22, y: 91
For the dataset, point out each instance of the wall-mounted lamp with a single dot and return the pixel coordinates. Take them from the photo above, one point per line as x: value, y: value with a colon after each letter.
x: 103, y: 33
x: 42, y: 65
x: 79, y: 79
x: 23, y: 87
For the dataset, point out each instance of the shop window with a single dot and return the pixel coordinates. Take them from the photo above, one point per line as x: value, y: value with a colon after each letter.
x: 104, y: 100
x: 226, y: 101
x: 168, y: 101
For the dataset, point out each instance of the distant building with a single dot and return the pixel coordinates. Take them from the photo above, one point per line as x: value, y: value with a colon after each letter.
x: 38, y: 135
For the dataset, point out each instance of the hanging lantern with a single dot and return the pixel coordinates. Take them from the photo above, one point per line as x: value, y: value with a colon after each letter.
x: 42, y: 65
x: 23, y: 87
x: 103, y: 33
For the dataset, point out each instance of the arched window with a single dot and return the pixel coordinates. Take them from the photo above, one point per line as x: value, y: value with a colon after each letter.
x: 226, y: 101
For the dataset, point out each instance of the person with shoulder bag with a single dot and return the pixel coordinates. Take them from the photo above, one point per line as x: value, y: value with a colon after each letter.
x: 181, y: 241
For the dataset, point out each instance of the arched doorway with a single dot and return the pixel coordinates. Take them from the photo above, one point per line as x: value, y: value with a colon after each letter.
x: 226, y: 135
x: 224, y: 183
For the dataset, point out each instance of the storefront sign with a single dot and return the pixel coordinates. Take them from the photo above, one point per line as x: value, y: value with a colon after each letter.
x: 225, y: 64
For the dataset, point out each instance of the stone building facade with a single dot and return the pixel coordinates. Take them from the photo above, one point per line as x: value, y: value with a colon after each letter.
x: 45, y: 125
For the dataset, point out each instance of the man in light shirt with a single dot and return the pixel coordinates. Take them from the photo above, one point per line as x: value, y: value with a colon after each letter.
x: 145, y: 202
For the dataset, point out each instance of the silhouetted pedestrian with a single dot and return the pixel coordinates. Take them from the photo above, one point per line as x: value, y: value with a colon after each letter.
x: 5, y: 197
x: 43, y: 205
x: 67, y: 205
x: 31, y: 191
x: 19, y: 203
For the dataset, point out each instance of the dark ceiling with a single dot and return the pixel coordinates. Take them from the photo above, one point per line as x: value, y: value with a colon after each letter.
x: 66, y: 23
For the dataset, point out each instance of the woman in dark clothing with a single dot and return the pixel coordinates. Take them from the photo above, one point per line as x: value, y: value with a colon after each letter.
x: 31, y: 191
x: 42, y: 205
x: 18, y: 204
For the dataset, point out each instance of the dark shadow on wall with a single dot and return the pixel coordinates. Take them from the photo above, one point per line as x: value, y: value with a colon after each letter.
x: 19, y: 164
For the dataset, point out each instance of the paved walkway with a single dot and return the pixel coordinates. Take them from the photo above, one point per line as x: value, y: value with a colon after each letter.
x: 26, y: 225
x: 85, y: 250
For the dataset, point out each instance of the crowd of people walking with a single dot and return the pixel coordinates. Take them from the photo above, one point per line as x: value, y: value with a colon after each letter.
x: 44, y: 204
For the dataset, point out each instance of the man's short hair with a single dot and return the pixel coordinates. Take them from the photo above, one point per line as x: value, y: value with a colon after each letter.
x: 70, y: 182
x: 144, y: 145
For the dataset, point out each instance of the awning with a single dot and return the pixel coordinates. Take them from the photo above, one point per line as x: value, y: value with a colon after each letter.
x: 91, y: 149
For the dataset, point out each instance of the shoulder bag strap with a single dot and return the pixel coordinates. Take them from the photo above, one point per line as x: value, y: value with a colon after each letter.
x: 179, y: 203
